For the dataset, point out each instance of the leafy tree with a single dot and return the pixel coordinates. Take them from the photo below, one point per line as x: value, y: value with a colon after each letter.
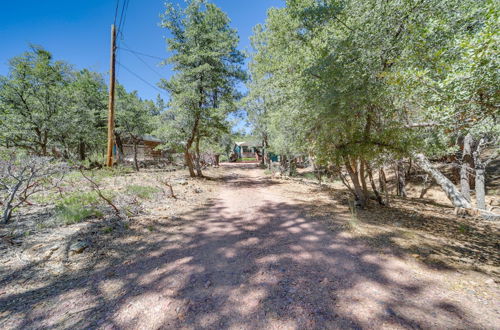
x: 456, y: 88
x: 49, y: 109
x: 208, y: 67
x: 355, y: 83
x: 84, y: 127
x: 133, y: 118
x: 31, y: 104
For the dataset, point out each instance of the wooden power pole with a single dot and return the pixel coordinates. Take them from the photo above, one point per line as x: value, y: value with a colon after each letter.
x: 111, y: 102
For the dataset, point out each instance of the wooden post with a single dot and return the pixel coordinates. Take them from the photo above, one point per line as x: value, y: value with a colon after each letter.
x: 111, y: 102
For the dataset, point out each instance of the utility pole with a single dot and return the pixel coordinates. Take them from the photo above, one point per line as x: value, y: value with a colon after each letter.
x: 111, y: 102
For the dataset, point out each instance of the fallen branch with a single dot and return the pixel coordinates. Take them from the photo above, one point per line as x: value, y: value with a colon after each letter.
x: 171, y: 189
x: 98, y: 190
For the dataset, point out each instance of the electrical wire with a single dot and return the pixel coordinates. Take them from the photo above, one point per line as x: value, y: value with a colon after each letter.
x: 116, y: 11
x: 145, y: 63
x: 123, y: 16
x: 121, y: 24
x: 142, y: 54
x: 140, y: 78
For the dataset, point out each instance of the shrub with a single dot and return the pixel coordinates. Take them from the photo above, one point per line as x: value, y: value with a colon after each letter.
x: 144, y: 192
x: 77, y: 207
x: 310, y: 176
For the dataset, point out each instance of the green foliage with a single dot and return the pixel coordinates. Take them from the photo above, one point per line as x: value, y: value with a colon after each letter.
x: 134, y: 116
x: 78, y: 206
x: 98, y: 175
x: 107, y: 230
x: 30, y: 103
x: 208, y: 67
x: 144, y: 192
x: 347, y: 79
x: 47, y: 108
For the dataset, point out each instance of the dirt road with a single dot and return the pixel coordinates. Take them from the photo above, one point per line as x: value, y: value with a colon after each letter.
x: 262, y: 255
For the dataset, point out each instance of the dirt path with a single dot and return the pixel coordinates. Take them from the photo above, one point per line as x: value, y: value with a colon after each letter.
x: 260, y: 257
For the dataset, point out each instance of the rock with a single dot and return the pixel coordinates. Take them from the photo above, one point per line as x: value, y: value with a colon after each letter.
x: 198, y: 190
x: 181, y: 182
x: 40, y: 252
x: 58, y: 270
x: 79, y: 247
x: 54, y: 247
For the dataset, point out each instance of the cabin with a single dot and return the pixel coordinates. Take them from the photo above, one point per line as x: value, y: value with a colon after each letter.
x: 247, y: 150
x: 146, y: 149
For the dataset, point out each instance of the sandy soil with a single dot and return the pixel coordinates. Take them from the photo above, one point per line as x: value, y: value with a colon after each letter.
x: 259, y: 254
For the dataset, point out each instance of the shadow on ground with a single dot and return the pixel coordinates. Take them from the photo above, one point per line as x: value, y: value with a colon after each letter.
x: 210, y: 268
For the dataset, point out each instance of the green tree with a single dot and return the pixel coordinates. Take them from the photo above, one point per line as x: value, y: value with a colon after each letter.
x: 133, y: 118
x: 30, y: 101
x: 208, y: 67
x: 83, y: 129
x: 356, y: 83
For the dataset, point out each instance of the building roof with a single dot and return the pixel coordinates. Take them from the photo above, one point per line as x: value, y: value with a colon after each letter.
x: 247, y: 144
x: 151, y: 138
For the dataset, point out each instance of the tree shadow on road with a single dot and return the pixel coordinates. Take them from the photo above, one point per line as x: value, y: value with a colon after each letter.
x: 282, y: 266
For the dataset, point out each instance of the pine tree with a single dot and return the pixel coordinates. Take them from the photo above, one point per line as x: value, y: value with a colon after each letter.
x: 208, y: 67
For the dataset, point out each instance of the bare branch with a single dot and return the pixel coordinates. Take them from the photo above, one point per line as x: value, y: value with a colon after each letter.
x: 99, y: 192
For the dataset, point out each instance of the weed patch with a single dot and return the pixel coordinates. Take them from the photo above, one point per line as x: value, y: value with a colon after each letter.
x: 77, y: 207
x: 144, y: 192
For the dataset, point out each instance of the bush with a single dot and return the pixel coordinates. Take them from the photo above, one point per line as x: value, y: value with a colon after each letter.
x: 310, y: 176
x: 77, y: 207
x: 144, y: 192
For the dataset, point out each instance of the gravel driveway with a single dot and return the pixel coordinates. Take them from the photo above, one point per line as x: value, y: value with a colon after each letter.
x: 258, y: 256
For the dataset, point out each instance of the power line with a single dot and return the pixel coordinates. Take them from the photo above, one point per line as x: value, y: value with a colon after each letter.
x: 140, y: 78
x: 142, y: 54
x: 146, y: 64
x: 123, y: 16
x: 116, y: 11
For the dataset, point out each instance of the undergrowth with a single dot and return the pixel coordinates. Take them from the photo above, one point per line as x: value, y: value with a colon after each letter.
x: 78, y: 206
x: 144, y: 192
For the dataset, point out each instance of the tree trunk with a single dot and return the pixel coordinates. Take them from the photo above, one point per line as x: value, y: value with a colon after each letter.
x: 358, y: 190
x: 43, y: 141
x: 382, y: 180
x: 81, y: 150
x: 401, y: 178
x: 383, y: 185
x: 292, y: 168
x: 425, y: 186
x: 283, y: 164
x: 409, y: 169
x: 7, y: 212
x: 457, y: 199
x: 198, y: 157
x: 136, y: 163
x: 189, y: 162
x: 362, y: 177
x: 119, y: 146
x: 465, y: 168
x: 480, y: 188
x: 374, y: 186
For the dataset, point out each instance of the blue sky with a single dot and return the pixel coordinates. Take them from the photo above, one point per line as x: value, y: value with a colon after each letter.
x: 78, y: 31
